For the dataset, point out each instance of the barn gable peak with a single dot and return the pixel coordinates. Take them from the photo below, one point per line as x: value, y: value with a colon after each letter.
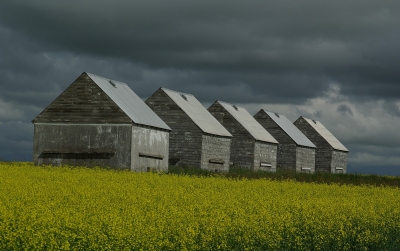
x: 243, y: 117
x: 129, y: 102
x: 325, y: 133
x: 197, y: 113
x: 94, y: 99
x: 289, y: 128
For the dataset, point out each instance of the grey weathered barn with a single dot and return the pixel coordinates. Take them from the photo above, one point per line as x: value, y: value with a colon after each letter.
x: 331, y: 155
x: 252, y: 146
x: 100, y: 122
x: 197, y: 139
x: 295, y: 151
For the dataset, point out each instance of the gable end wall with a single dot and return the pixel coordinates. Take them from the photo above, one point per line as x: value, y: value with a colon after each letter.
x: 273, y: 128
x: 83, y: 102
x: 242, y: 143
x: 305, y: 159
x: 286, y: 152
x: 83, y: 145
x: 286, y: 157
x: 185, y: 139
x: 323, y: 152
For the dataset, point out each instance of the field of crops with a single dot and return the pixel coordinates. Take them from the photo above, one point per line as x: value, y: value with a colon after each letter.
x: 44, y: 208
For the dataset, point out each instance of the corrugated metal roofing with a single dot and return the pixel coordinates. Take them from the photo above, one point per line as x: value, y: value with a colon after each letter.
x: 134, y: 107
x: 248, y: 122
x: 291, y: 130
x: 196, y: 111
x: 320, y: 128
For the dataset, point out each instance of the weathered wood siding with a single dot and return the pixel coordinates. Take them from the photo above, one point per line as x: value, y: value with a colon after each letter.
x: 83, y: 145
x: 323, y: 153
x: 290, y: 155
x: 215, y: 153
x: 185, y: 139
x: 305, y: 159
x: 242, y: 143
x: 149, y: 149
x: 339, y: 162
x: 286, y: 159
x: 83, y: 102
x: 273, y: 128
x: 265, y: 153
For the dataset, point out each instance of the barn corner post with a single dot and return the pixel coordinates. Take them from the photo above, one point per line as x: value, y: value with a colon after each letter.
x: 35, y: 146
x: 252, y: 147
x: 90, y: 124
x: 295, y: 151
x: 331, y: 154
x: 197, y: 139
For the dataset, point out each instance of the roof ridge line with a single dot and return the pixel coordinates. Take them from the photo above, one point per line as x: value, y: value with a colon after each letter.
x: 108, y: 79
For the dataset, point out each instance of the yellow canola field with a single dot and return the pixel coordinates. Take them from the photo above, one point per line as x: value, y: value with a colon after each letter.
x: 52, y: 208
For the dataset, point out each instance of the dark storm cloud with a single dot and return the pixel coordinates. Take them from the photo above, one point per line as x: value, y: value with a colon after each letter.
x: 392, y: 108
x: 374, y: 160
x: 16, y: 141
x: 344, y: 110
x: 313, y: 58
x: 273, y: 48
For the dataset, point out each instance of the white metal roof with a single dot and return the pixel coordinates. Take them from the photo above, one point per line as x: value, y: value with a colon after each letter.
x: 197, y: 112
x: 320, y: 128
x: 133, y: 106
x: 248, y: 122
x: 291, y: 130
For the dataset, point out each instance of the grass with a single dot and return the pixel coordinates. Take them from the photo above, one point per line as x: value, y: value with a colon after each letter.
x: 317, y: 177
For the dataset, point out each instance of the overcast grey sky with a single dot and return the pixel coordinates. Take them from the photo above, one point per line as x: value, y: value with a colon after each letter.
x: 334, y: 61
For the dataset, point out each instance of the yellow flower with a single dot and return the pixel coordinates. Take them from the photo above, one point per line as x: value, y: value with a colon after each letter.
x: 67, y: 208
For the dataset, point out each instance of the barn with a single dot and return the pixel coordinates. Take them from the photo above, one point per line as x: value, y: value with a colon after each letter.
x: 252, y: 146
x: 197, y: 139
x: 295, y: 151
x: 97, y: 121
x: 331, y: 155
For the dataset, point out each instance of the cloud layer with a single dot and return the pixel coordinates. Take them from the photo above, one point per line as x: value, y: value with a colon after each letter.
x: 335, y: 61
